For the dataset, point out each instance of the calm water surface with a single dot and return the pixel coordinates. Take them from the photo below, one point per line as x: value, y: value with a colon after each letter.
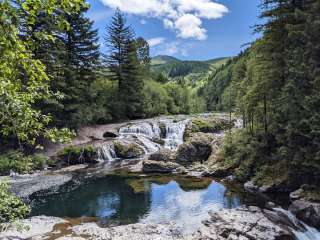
x: 115, y: 200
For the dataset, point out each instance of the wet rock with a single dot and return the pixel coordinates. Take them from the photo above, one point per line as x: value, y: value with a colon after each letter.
x: 270, y: 205
x: 25, y: 185
x: 306, y: 211
x: 164, y: 155
x: 251, y: 187
x: 275, y: 187
x: 158, y: 140
x: 149, y: 166
x: 163, y: 130
x: 110, y: 134
x: 127, y: 149
x: 197, y: 149
x: 33, y: 228
x: 242, y: 223
x: 132, y: 232
x: 41, y: 228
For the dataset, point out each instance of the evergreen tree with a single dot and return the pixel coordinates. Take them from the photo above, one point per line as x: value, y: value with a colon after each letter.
x: 80, y: 65
x: 117, y: 39
x: 71, y: 61
x: 124, y: 65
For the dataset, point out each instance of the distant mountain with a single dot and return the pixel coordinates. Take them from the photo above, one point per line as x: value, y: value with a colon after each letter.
x: 194, y: 70
x: 163, y: 59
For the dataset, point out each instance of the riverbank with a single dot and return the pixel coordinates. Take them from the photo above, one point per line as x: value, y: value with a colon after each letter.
x: 183, y: 145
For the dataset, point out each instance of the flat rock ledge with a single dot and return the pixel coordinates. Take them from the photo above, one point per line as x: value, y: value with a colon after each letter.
x: 242, y: 223
x: 26, y: 185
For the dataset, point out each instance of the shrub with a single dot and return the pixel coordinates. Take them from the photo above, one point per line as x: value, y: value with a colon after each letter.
x: 15, y: 161
x: 11, y: 207
x: 78, y: 155
x: 18, y: 162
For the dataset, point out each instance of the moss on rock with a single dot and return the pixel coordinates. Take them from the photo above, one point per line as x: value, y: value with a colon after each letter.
x: 127, y: 150
x: 78, y: 155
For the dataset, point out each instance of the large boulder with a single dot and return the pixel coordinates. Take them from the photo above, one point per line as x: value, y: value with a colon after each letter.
x: 309, y: 212
x: 242, y: 223
x: 149, y: 166
x: 127, y: 150
x: 164, y: 155
x: 197, y: 149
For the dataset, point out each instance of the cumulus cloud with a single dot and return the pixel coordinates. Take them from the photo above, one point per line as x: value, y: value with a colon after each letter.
x: 156, y: 41
x: 182, y: 16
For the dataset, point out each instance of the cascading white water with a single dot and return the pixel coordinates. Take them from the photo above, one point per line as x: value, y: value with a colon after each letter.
x: 174, y: 134
x: 145, y: 129
x: 302, y: 231
x: 148, y: 145
x: 107, y: 153
x: 144, y: 134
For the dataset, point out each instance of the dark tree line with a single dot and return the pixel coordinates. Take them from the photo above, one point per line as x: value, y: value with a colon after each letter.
x: 274, y: 86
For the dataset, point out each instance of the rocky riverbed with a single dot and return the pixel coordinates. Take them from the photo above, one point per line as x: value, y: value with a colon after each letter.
x: 241, y: 223
x: 188, y: 146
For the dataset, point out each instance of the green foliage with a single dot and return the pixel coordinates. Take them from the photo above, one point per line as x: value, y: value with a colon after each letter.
x: 23, y: 78
x: 209, y: 126
x: 125, y: 61
x: 275, y: 86
x: 78, y: 155
x: 11, y: 207
x: 156, y: 99
x: 20, y: 163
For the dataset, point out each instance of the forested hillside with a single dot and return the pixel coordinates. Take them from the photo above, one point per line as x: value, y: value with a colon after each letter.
x: 274, y: 86
x: 192, y: 72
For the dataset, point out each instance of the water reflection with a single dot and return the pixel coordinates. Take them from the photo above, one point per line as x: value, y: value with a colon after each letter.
x: 116, y: 200
x: 187, y: 209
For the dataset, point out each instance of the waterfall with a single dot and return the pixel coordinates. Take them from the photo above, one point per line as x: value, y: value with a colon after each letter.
x: 174, y: 134
x: 142, y: 129
x: 148, y: 145
x: 145, y: 134
x: 107, y: 153
x: 302, y: 231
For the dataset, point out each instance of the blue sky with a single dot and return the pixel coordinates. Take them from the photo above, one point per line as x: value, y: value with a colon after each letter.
x: 186, y: 29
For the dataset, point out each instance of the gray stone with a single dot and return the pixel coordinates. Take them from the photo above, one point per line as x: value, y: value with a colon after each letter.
x: 197, y: 149
x: 242, y: 223
x: 33, y: 228
x: 164, y: 155
x: 308, y: 212
x: 127, y: 150
x: 149, y: 166
x: 25, y: 185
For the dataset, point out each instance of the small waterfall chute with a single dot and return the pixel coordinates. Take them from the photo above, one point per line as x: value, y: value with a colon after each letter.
x: 174, y: 134
x: 148, y: 145
x: 150, y: 130
x: 107, y: 153
x: 302, y: 231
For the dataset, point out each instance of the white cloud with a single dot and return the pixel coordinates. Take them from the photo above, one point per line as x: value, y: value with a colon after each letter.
x: 143, y: 22
x: 183, y: 16
x: 156, y: 41
x: 189, y: 26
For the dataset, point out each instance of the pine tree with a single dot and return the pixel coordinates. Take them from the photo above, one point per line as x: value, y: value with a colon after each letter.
x: 124, y: 66
x: 117, y: 39
x: 80, y: 64
x: 71, y: 61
